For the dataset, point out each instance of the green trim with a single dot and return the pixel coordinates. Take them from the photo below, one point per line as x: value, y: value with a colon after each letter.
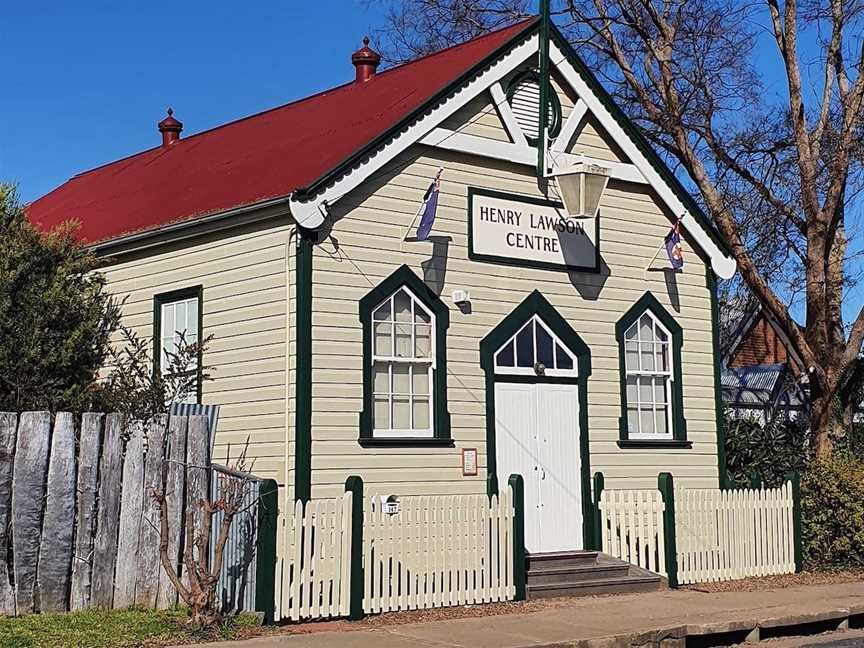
x: 423, y: 109
x: 405, y: 277
x: 354, y: 484
x: 166, y: 298
x: 720, y: 423
x: 553, y: 101
x: 649, y: 303
x: 520, y: 574
x: 656, y: 444
x: 666, y: 486
x: 545, y: 25
x: 491, y: 485
x: 536, y: 304
x: 599, y: 486
x: 303, y: 380
x: 405, y: 442
x: 795, y: 479
x: 635, y: 134
x: 525, y: 263
x: 265, y: 556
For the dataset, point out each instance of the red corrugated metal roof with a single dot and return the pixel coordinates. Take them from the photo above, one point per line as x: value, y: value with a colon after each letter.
x: 261, y: 157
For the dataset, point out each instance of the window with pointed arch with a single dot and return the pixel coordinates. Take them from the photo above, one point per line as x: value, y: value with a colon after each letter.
x: 650, y: 342
x: 404, y: 364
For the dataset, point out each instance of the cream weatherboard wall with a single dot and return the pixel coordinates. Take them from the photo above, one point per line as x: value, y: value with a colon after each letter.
x: 370, y: 224
x: 244, y: 274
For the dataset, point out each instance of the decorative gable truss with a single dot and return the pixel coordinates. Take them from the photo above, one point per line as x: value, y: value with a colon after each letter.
x: 429, y: 129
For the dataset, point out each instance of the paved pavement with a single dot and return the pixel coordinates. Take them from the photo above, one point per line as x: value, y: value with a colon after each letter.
x: 658, y: 618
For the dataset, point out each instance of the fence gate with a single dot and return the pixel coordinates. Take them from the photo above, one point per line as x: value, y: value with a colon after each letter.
x: 631, y: 525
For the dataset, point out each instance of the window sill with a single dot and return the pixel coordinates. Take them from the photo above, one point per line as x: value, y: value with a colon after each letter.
x: 405, y: 442
x: 654, y: 444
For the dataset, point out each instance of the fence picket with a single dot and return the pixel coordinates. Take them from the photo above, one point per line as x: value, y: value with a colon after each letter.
x: 174, y: 492
x: 148, y: 570
x: 85, y: 523
x: 8, y: 429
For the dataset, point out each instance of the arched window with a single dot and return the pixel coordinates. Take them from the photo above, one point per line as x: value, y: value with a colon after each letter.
x: 649, y: 379
x: 404, y: 363
x: 650, y: 342
x: 534, y: 349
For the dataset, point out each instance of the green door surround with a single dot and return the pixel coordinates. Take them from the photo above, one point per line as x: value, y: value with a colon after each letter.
x: 537, y: 304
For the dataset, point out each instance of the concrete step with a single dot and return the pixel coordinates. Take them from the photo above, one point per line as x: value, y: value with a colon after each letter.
x: 562, y: 559
x: 617, y: 585
x: 554, y: 575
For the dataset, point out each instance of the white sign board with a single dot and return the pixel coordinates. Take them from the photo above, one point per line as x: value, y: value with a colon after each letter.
x: 529, y: 231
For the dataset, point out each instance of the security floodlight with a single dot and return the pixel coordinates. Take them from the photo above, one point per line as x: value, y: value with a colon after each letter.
x: 581, y: 186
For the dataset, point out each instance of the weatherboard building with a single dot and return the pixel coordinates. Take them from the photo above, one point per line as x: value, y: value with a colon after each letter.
x: 521, y: 335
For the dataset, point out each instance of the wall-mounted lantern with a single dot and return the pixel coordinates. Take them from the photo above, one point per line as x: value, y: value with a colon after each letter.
x: 582, y: 186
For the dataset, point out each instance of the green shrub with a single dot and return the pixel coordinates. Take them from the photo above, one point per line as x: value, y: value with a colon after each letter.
x: 769, y: 451
x: 832, y: 512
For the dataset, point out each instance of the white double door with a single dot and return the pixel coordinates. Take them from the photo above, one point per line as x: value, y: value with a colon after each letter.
x: 537, y: 436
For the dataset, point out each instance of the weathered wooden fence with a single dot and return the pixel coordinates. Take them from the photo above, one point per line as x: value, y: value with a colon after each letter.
x: 631, y: 524
x: 437, y: 552
x: 79, y: 527
x: 729, y: 534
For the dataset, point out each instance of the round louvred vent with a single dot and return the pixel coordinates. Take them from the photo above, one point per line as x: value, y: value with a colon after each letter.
x: 523, y: 94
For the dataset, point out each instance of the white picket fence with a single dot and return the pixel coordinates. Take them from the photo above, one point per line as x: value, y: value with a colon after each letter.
x: 316, y: 575
x: 730, y: 534
x: 631, y: 525
x: 438, y: 552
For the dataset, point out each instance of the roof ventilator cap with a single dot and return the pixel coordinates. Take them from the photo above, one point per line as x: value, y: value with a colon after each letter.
x: 365, y: 61
x: 170, y: 129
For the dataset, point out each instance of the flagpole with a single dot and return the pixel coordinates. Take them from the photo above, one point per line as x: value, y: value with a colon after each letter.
x: 544, y: 88
x: 662, y: 245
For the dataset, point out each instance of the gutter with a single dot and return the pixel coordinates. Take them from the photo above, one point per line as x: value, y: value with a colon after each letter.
x: 172, y: 228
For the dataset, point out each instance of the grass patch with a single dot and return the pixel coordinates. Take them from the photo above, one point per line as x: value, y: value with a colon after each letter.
x: 114, y: 629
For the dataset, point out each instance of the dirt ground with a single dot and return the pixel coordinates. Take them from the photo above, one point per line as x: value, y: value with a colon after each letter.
x: 766, y: 583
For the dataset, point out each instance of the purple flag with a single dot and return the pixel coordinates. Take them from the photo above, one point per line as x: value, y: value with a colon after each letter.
x: 673, y: 246
x: 430, y: 206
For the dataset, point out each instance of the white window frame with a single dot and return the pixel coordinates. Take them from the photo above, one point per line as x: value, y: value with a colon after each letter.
x: 668, y: 377
x: 412, y: 432
x: 530, y: 371
x: 172, y: 336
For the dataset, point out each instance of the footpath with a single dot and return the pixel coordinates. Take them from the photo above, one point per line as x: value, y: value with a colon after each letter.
x: 665, y: 619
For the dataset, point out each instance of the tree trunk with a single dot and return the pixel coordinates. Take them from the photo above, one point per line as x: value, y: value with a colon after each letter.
x: 821, y: 421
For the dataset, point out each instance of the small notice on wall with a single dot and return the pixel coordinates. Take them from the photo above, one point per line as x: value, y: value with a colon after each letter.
x: 529, y: 231
x: 469, y: 462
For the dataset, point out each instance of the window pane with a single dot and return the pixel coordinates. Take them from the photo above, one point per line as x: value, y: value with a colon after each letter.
x: 562, y: 358
x: 401, y: 378
x: 381, y: 415
x: 647, y: 356
x: 401, y: 413
x: 192, y: 319
x: 525, y: 347
x: 632, y: 420
x: 646, y: 326
x: 382, y: 314
x: 661, y: 392
x: 381, y: 378
x: 544, y: 347
x: 168, y: 321
x: 402, y: 306
x: 646, y: 416
x: 421, y: 413
x: 660, y: 421
x: 661, y: 334
x: 662, y: 357
x: 630, y: 334
x: 422, y: 341
x: 631, y: 356
x: 403, y: 341
x: 421, y: 379
x: 383, y: 345
x: 646, y: 392
x: 505, y: 356
x: 180, y: 317
x: 632, y: 394
x: 420, y: 315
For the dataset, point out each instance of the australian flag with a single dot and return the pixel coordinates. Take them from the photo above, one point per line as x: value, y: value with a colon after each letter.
x: 429, y: 207
x: 673, y: 246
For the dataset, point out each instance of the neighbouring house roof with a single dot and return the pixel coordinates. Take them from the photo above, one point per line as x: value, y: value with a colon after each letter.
x: 759, y: 385
x: 262, y: 157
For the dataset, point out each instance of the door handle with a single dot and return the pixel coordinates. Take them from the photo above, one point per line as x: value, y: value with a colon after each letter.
x: 543, y: 475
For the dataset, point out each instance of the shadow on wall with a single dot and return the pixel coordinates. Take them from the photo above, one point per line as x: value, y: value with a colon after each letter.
x: 589, y: 285
x: 670, y: 275
x: 435, y: 267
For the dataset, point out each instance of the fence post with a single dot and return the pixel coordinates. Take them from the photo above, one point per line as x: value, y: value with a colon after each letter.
x: 666, y: 485
x: 755, y: 481
x: 795, y: 479
x: 265, y: 560
x: 599, y: 484
x: 519, y: 575
x: 491, y: 485
x: 355, y: 484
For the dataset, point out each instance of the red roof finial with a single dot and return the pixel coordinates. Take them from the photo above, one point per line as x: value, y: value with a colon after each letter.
x: 170, y: 129
x: 365, y: 61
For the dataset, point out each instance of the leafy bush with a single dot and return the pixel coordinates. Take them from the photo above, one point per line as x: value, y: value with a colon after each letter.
x: 832, y: 512
x: 770, y: 451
